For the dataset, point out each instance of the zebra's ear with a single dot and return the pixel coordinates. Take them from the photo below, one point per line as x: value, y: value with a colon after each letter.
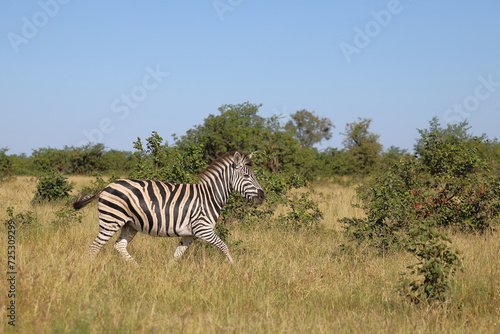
x: 237, y: 159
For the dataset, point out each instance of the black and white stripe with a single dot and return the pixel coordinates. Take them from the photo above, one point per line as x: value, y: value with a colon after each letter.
x: 173, y: 210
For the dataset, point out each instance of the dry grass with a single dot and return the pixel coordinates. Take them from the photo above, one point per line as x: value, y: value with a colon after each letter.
x: 282, y: 281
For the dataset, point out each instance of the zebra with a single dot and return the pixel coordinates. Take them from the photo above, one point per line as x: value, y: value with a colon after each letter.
x: 165, y: 209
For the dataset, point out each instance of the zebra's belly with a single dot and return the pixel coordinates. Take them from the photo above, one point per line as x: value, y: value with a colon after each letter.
x: 181, y: 231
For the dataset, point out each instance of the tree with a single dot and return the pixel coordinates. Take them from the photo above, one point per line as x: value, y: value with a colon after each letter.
x: 363, y: 148
x: 237, y: 127
x: 240, y: 127
x: 308, y: 128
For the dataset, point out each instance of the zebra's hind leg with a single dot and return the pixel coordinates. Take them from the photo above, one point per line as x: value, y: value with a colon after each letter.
x: 106, y: 232
x: 183, y: 245
x: 126, y: 235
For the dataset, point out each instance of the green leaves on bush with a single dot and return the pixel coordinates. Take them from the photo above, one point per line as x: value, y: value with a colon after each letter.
x: 21, y: 218
x: 160, y: 162
x: 97, y: 184
x: 429, y: 278
x: 66, y: 216
x: 5, y: 165
x: 53, y: 187
x: 450, y: 185
x: 389, y: 205
x: 302, y: 212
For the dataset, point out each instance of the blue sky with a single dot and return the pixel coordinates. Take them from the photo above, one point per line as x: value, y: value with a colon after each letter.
x: 111, y: 71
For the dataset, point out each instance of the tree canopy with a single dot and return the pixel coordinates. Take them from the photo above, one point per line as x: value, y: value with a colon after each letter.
x: 363, y: 148
x: 308, y: 128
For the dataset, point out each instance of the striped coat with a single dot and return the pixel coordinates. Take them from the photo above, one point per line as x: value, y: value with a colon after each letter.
x: 172, y: 210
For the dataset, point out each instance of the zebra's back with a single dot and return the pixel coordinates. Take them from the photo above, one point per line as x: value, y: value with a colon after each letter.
x: 152, y: 207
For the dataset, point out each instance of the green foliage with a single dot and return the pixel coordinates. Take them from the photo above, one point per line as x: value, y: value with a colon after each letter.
x: 439, y: 189
x: 66, y: 216
x: 458, y: 132
x: 330, y: 162
x: 389, y: 205
x: 158, y: 161
x: 437, y: 262
x: 87, y: 159
x: 117, y: 162
x: 363, y: 148
x: 489, y: 151
x: 237, y: 127
x: 5, y: 165
x: 390, y: 157
x: 308, y: 128
x: 449, y: 154
x: 21, y: 218
x: 303, y: 213
x: 70, y: 160
x: 97, y: 184
x: 52, y: 187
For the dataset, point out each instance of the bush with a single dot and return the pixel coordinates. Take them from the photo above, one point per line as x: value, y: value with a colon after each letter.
x: 450, y: 185
x: 53, y: 187
x: 65, y: 216
x: 437, y: 263
x: 5, y: 165
x: 301, y: 212
x: 158, y: 161
x: 389, y: 205
x: 21, y: 218
x: 97, y: 184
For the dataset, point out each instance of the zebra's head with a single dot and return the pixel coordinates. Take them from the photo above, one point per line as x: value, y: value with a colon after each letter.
x: 244, y: 181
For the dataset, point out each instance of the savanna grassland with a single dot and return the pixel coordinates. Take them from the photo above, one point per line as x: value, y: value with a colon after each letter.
x: 283, y: 281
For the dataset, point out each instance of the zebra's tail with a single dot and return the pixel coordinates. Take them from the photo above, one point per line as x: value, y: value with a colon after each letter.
x: 82, y: 200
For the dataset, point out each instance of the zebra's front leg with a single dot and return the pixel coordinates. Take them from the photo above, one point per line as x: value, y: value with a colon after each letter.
x: 183, y: 245
x: 212, y: 238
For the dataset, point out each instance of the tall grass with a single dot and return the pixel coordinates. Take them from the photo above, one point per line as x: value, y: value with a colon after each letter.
x: 282, y: 281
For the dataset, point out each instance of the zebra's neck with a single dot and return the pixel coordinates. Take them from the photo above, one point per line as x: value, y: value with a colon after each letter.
x: 217, y: 179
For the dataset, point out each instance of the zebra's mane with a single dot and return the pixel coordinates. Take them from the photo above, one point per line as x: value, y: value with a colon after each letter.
x: 224, y: 158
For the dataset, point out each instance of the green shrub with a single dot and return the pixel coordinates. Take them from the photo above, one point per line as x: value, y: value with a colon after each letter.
x: 53, y: 187
x: 66, y: 216
x: 158, y: 161
x: 389, y: 204
x: 429, y: 278
x: 449, y: 185
x: 5, y: 165
x: 21, y: 218
x: 301, y: 212
x: 97, y: 184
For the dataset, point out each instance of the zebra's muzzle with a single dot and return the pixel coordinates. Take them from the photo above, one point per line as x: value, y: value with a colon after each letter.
x: 259, y: 198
